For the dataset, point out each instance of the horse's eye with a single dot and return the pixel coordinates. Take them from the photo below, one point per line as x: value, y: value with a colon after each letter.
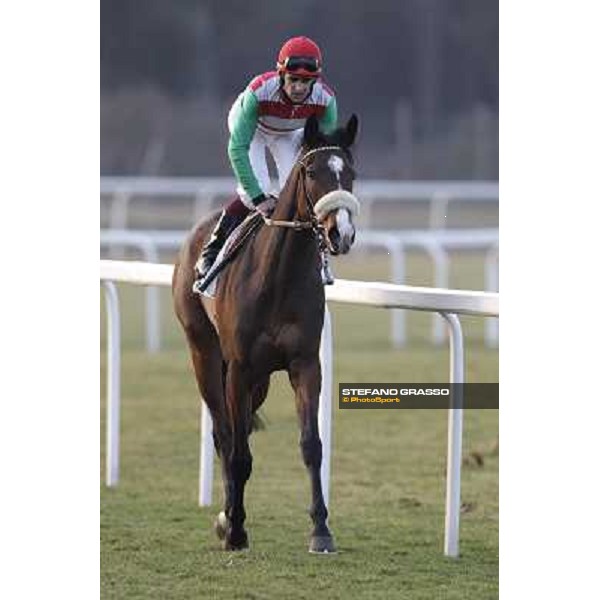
x: 311, y: 173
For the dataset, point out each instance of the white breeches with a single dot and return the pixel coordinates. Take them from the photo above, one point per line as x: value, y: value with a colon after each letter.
x: 284, y: 149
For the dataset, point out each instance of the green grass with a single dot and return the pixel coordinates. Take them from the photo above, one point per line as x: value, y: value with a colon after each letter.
x: 388, y: 475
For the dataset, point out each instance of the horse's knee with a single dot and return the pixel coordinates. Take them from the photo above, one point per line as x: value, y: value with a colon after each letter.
x: 311, y: 450
x: 241, y: 467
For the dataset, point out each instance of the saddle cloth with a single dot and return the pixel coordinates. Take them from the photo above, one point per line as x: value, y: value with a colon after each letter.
x: 230, y: 249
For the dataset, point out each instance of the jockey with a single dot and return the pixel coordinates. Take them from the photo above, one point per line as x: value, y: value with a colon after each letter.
x: 270, y: 113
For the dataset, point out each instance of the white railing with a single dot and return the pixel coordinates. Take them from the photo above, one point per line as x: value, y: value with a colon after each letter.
x: 448, y: 303
x: 205, y: 191
x: 435, y: 244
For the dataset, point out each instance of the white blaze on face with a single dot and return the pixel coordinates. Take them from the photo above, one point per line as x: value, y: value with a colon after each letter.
x: 344, y: 225
x: 336, y: 164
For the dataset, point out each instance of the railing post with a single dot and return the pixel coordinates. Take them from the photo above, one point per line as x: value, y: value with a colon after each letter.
x: 455, y: 427
x: 207, y: 450
x: 366, y: 211
x: 398, y: 276
x: 147, y: 247
x: 146, y: 244
x: 152, y: 299
x: 325, y: 402
x: 491, y: 285
x: 118, y: 217
x: 438, y: 211
x: 441, y: 274
x: 113, y: 379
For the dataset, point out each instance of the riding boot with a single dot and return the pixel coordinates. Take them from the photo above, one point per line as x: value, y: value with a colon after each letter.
x: 225, y: 225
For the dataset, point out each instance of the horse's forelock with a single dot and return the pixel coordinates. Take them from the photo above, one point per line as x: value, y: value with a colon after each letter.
x: 338, y: 137
x: 335, y: 138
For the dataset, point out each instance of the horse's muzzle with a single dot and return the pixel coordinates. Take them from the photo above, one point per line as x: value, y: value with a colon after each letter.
x: 338, y: 243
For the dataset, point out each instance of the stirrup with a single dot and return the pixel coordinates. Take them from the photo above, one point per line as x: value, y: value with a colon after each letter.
x: 198, y: 286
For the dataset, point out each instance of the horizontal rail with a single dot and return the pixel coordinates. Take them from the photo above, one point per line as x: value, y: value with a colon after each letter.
x: 390, y: 295
x: 434, y: 243
x: 370, y: 293
x: 456, y: 239
x: 390, y: 189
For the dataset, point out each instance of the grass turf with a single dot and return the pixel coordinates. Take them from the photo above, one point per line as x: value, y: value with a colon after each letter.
x: 388, y: 474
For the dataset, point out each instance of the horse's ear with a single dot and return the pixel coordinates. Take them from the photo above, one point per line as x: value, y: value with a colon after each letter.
x: 311, y: 131
x: 351, y: 129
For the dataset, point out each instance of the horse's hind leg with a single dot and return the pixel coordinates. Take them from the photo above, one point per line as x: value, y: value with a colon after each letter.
x: 258, y: 395
x: 211, y: 389
x: 305, y: 377
x: 239, y: 405
x: 207, y: 367
x: 206, y: 354
x: 203, y: 344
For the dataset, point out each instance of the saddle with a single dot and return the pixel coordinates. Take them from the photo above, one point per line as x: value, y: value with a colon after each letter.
x: 234, y: 243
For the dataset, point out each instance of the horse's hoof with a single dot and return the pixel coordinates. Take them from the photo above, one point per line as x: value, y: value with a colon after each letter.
x: 239, y: 543
x: 230, y: 548
x: 221, y: 525
x: 322, y: 544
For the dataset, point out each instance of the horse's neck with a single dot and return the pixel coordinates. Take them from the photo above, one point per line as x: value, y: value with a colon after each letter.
x: 287, y: 207
x: 288, y: 254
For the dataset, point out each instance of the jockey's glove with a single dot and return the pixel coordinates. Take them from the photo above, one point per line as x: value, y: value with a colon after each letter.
x: 265, y: 204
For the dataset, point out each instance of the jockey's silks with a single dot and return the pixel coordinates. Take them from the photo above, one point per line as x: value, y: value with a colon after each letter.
x: 264, y: 107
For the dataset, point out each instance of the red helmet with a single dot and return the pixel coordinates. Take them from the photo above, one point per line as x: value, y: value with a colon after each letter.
x: 300, y: 56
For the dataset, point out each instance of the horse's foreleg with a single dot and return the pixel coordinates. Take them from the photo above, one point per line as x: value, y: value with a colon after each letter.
x: 305, y: 377
x: 239, y: 460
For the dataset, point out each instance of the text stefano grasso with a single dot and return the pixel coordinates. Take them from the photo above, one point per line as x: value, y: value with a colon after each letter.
x: 396, y: 391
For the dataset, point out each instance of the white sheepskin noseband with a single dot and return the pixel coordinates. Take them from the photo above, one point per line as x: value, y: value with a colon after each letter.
x: 336, y: 199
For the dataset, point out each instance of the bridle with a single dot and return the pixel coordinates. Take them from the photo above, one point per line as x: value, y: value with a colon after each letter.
x: 314, y: 224
x: 318, y: 229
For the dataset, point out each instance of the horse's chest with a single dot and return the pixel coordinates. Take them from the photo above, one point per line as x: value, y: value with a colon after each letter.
x: 281, y: 344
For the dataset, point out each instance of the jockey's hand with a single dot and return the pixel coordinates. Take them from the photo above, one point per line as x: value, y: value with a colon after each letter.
x: 265, y: 204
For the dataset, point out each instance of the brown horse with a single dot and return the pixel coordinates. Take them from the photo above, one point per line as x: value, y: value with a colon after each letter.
x: 267, y: 315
